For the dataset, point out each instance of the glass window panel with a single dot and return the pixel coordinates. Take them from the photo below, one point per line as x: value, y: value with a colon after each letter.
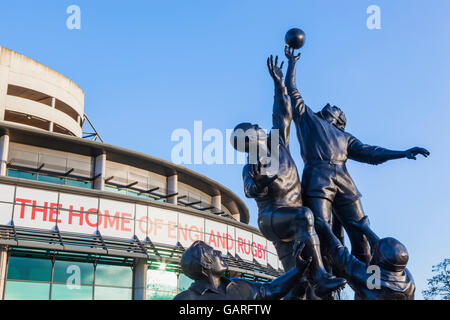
x: 45, y: 178
x: 65, y: 292
x: 20, y: 268
x: 73, y: 272
x: 22, y: 174
x: 108, y: 293
x: 133, y: 193
x: 160, y: 295
x: 115, y: 189
x: 79, y: 183
x: 161, y: 280
x: 110, y: 275
x: 184, y: 282
x: 22, y: 290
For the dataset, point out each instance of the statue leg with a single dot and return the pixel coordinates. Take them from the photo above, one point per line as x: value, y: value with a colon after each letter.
x: 285, y: 254
x: 347, y: 213
x: 321, y: 209
x: 337, y: 228
x: 297, y: 223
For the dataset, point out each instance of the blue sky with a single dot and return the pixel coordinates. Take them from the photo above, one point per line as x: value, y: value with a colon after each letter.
x: 150, y: 67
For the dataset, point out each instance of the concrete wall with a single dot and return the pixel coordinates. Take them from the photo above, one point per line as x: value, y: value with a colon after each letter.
x: 16, y: 69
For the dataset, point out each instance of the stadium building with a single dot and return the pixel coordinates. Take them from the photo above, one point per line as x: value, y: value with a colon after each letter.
x: 82, y: 219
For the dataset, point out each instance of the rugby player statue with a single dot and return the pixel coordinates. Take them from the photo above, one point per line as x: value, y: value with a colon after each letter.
x: 206, y: 267
x: 285, y: 205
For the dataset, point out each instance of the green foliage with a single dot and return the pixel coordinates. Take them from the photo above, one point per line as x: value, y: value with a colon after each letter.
x: 439, y: 284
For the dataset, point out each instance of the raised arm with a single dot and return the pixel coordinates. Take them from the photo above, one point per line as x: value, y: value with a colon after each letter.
x: 361, y: 152
x: 298, y: 104
x: 282, y: 111
x: 363, y: 225
x: 255, y: 183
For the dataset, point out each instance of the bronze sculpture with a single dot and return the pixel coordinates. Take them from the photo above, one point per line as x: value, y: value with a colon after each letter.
x: 325, y: 148
x: 205, y: 265
x: 326, y: 190
x: 395, y: 282
x: 281, y: 216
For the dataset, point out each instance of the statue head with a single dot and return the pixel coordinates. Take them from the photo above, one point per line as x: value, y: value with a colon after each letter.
x: 246, y: 134
x: 334, y: 115
x: 201, y: 261
x: 390, y: 254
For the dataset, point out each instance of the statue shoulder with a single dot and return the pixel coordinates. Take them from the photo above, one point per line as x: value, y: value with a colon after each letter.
x: 186, y: 295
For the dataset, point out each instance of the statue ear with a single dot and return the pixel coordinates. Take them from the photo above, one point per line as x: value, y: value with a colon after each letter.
x: 206, y: 265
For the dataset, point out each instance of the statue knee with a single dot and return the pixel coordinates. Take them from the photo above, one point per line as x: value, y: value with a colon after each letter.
x: 309, y: 216
x: 305, y: 217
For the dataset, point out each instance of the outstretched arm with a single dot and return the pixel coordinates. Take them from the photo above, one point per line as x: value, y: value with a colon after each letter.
x: 282, y: 112
x: 298, y: 104
x: 361, y: 152
x: 363, y: 225
x: 345, y: 264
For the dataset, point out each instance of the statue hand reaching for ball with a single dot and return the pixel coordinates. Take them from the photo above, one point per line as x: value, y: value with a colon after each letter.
x: 289, y: 52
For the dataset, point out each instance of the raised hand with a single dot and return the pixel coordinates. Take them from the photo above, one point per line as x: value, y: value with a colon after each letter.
x: 413, y: 152
x: 275, y: 71
x: 261, y: 180
x: 289, y: 52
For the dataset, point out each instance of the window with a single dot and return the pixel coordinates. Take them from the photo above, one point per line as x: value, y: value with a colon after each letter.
x: 37, y: 278
x: 19, y: 290
x: 70, y: 271
x: 184, y: 282
x: 28, y: 279
x: 123, y: 179
x: 107, y: 293
x: 161, y: 285
x: 30, y: 269
x: 49, y: 178
x: 110, y: 275
x: 22, y: 174
x: 113, y: 282
x: 34, y: 163
x: 65, y: 292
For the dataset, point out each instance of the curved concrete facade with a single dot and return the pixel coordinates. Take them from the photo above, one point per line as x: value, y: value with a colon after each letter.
x: 34, y: 95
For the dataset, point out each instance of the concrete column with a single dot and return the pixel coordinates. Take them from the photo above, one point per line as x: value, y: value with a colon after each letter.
x: 4, y: 75
x: 50, y: 126
x: 100, y: 172
x: 4, y: 149
x: 172, y: 187
x: 216, y: 202
x: 140, y: 280
x: 3, y: 271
